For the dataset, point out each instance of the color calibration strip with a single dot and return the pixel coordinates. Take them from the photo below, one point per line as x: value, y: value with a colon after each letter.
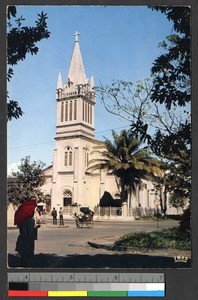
x: 86, y: 285
x: 150, y: 290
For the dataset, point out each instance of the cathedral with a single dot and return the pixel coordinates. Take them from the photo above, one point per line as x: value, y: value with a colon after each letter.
x: 68, y: 180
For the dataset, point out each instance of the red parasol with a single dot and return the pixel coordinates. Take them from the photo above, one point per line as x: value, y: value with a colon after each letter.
x: 24, y: 211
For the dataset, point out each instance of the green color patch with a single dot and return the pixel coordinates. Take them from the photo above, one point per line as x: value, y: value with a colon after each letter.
x: 107, y: 294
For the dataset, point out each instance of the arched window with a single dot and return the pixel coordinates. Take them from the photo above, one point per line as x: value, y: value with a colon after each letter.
x: 86, y: 157
x: 62, y: 110
x: 75, y: 110
x: 86, y: 111
x: 83, y: 112
x: 67, y: 198
x: 70, y: 110
x: 68, y: 157
x: 66, y: 111
x: 90, y: 114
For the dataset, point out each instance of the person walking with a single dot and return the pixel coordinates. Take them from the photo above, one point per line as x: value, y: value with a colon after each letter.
x: 25, y: 219
x: 54, y: 215
x: 61, y: 216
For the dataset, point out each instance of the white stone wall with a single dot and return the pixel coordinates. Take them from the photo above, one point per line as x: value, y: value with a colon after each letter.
x: 88, y: 188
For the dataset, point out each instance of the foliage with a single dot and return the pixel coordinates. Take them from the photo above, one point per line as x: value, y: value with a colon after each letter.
x: 185, y: 224
x: 128, y: 161
x: 174, y: 149
x: 179, y: 184
x: 158, y: 107
x: 160, y: 189
x: 75, y: 204
x: 177, y: 201
x: 160, y: 239
x: 13, y: 110
x: 171, y: 70
x: 176, y: 180
x: 167, y: 132
x: 138, y: 212
x: 172, y: 86
x: 22, y: 40
x: 28, y: 180
x: 128, y: 100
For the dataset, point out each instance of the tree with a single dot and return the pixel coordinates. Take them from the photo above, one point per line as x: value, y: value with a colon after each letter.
x: 172, y: 70
x: 27, y: 181
x: 185, y: 221
x: 166, y: 132
x: 132, y: 102
x: 128, y: 161
x: 21, y: 40
x: 158, y: 107
x: 172, y: 86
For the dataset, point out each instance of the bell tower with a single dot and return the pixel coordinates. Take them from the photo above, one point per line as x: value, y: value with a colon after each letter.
x: 74, y: 134
x: 75, y: 100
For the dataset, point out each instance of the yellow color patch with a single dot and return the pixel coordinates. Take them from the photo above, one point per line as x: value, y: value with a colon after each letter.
x: 67, y: 293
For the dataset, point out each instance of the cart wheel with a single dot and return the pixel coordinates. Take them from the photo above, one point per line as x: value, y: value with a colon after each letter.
x: 90, y: 224
x: 79, y: 224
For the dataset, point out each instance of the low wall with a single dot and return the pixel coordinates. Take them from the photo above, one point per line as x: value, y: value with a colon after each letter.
x: 10, y: 215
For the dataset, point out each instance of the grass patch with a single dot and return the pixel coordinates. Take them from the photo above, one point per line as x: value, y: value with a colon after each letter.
x: 170, y: 238
x: 163, y: 218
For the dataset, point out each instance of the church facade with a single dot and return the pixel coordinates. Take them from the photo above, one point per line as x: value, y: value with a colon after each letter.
x: 69, y: 180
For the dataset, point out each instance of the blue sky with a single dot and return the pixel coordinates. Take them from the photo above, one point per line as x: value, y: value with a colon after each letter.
x: 117, y: 42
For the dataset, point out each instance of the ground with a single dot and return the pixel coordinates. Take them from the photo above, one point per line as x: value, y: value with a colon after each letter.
x: 67, y: 247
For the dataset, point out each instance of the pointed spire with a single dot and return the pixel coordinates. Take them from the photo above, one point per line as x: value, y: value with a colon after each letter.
x: 76, y: 73
x: 59, y: 82
x: 91, y: 82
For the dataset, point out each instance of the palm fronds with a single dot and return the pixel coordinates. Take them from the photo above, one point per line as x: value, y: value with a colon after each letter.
x: 125, y: 158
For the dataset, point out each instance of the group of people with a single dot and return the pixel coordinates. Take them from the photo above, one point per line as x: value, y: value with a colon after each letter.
x: 54, y: 215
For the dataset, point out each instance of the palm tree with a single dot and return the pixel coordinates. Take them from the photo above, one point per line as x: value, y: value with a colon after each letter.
x: 124, y: 158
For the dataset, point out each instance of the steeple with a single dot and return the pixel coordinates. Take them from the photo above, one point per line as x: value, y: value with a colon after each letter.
x: 76, y: 74
x: 75, y: 100
x: 59, y: 82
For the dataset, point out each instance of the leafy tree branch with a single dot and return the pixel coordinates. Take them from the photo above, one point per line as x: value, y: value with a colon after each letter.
x: 21, y: 40
x: 28, y: 180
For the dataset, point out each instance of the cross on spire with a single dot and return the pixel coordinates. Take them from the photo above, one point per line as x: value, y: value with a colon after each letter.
x: 76, y: 34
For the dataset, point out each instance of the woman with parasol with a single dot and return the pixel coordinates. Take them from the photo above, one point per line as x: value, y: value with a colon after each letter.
x: 25, y: 220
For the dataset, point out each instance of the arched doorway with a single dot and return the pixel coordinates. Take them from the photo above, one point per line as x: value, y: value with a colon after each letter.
x: 67, y: 198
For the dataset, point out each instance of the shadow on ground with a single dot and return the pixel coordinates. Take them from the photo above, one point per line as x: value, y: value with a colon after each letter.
x: 98, y: 261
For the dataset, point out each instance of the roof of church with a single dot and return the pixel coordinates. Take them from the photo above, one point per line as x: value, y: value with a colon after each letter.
x: 76, y: 73
x: 48, y: 171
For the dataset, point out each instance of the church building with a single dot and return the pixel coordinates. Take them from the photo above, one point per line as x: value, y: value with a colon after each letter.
x: 69, y: 180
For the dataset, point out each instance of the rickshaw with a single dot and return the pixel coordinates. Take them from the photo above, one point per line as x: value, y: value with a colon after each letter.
x: 84, y: 219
